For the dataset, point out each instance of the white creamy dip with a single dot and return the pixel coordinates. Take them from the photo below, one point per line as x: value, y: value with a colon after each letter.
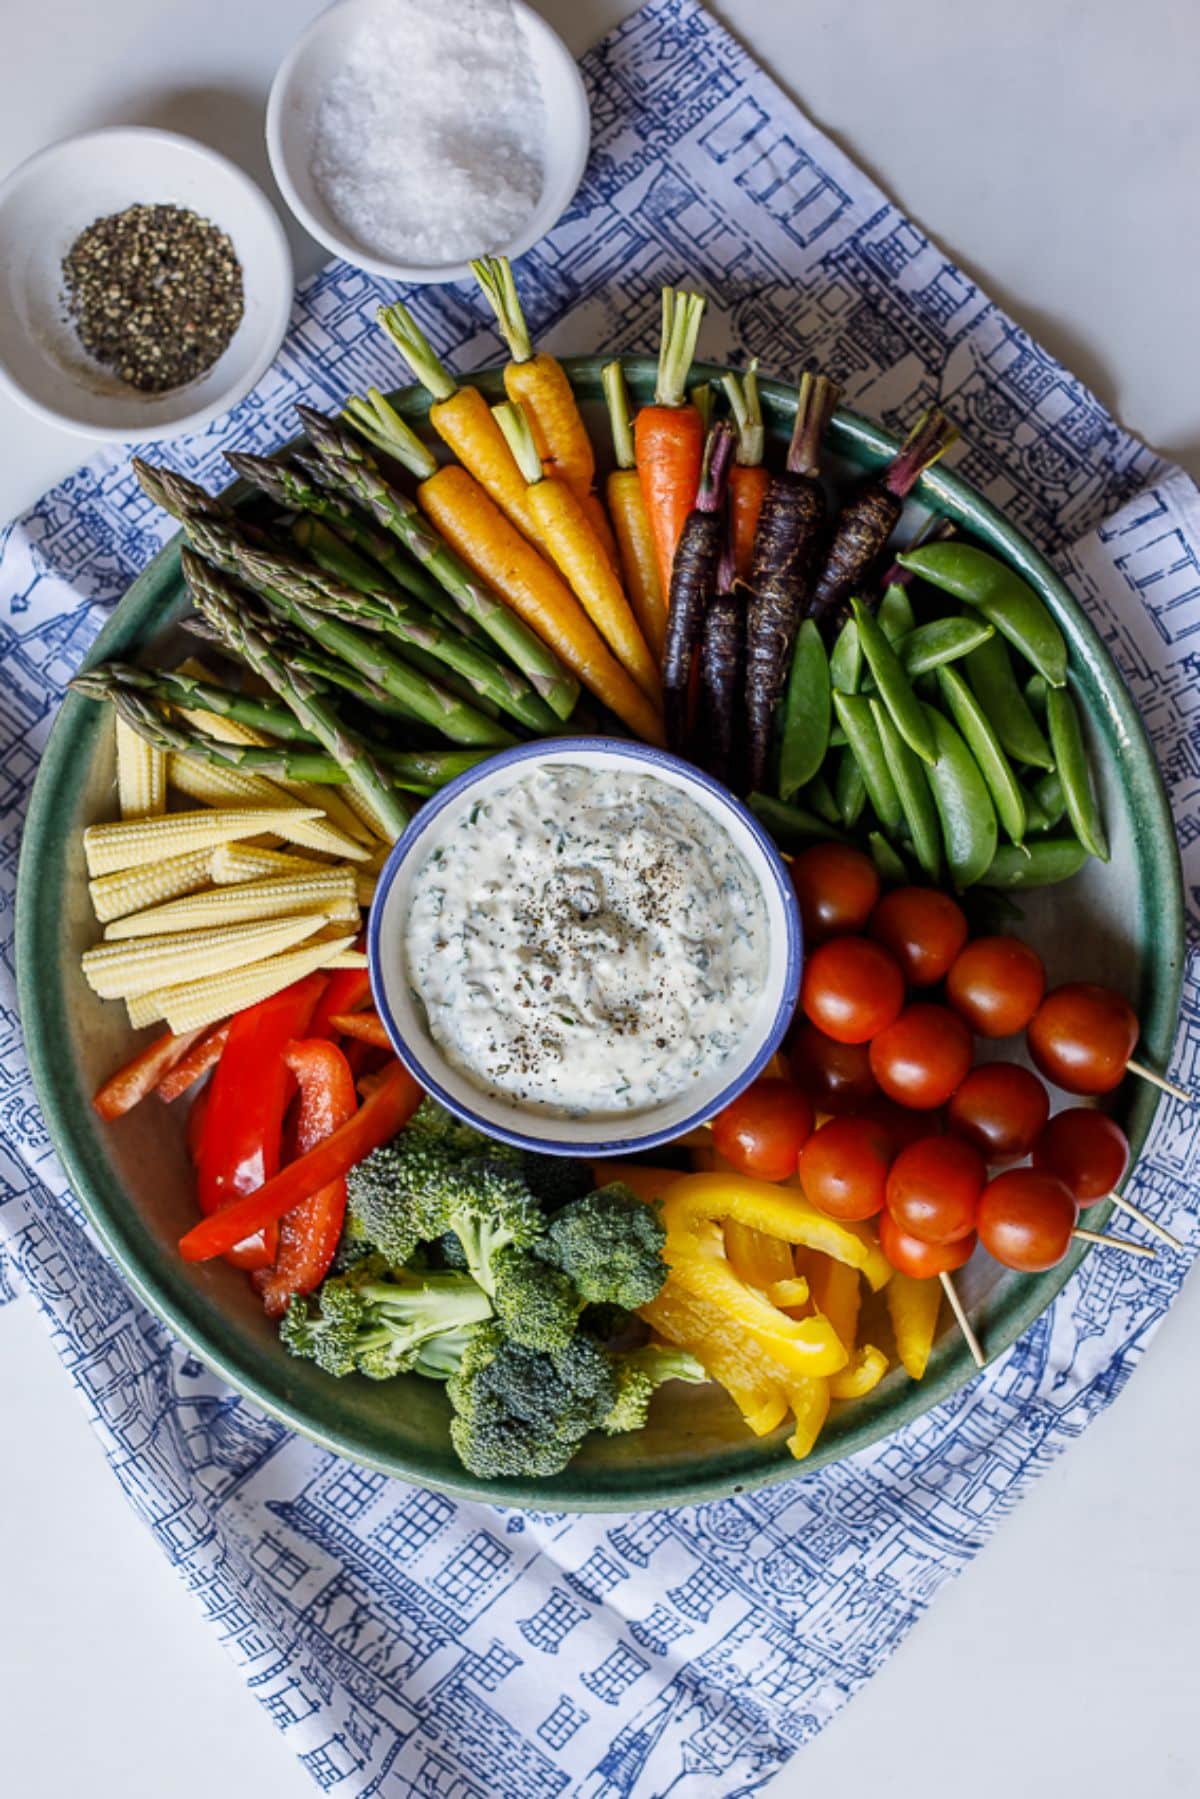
x: 586, y: 941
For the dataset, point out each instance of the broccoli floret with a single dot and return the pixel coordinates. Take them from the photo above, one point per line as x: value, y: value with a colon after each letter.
x: 521, y: 1412
x: 639, y: 1374
x: 610, y: 1244
x: 553, y: 1180
x: 536, y: 1302
x: 375, y: 1321
x: 441, y: 1357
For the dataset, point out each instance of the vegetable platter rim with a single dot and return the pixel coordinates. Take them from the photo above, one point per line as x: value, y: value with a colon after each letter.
x: 785, y: 972
x: 176, y: 1293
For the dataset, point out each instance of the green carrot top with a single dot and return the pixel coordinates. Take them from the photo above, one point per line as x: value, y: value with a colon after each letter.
x: 494, y: 275
x: 616, y: 394
x: 417, y: 350
x: 376, y: 419
x: 681, y: 316
x: 746, y: 408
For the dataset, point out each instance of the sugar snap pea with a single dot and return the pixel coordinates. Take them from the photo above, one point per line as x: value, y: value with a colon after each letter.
x: 916, y: 800
x: 1070, y: 754
x: 806, y: 712
x: 941, y: 640
x: 984, y: 745
x: 849, y: 789
x: 1005, y: 599
x: 989, y: 670
x: 1048, y: 792
x: 1037, y: 818
x: 894, y: 687
x: 1042, y: 863
x: 964, y: 804
x: 854, y: 714
x: 845, y: 659
x: 886, y: 859
x: 818, y: 797
x: 895, y: 614
x: 1035, y: 695
x: 790, y: 826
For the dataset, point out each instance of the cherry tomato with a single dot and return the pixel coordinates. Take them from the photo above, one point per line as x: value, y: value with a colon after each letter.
x: 1026, y: 1219
x: 923, y: 1261
x: 924, y: 929
x: 761, y: 1133
x: 851, y: 989
x: 843, y: 1167
x: 999, y: 1109
x: 921, y: 1058
x: 1082, y: 1036
x: 933, y: 1189
x: 836, y: 1076
x: 1086, y: 1150
x: 836, y: 886
x: 996, y: 984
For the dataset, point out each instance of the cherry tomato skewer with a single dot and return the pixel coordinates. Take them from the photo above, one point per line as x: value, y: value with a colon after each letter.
x: 837, y: 888
x: 1090, y: 1153
x: 924, y: 929
x: 909, y: 1255
x: 999, y: 1109
x: 922, y: 1056
x: 996, y: 984
x: 852, y: 989
x: 962, y: 1321
x: 1027, y: 1219
x: 933, y: 1189
x: 1082, y: 1037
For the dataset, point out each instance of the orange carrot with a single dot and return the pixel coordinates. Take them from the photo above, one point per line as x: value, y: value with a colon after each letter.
x: 669, y: 436
x: 564, y: 528
x: 462, y: 419
x: 473, y: 524
x: 537, y: 381
x: 747, y: 477
x: 638, y: 557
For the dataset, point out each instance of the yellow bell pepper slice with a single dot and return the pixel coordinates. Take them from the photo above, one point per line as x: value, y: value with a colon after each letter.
x: 757, y: 1259
x: 913, y: 1306
x: 788, y: 1293
x: 867, y: 1368
x: 837, y: 1293
x: 778, y: 1211
x: 798, y: 1346
x: 726, y: 1353
x: 876, y: 1270
x: 809, y: 1400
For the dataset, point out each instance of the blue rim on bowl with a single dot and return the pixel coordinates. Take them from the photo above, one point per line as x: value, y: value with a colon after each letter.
x: 786, y: 968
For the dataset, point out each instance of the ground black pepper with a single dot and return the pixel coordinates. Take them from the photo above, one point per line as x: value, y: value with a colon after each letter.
x: 155, y: 293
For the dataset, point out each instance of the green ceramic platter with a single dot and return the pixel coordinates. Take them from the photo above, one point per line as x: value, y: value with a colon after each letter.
x: 1122, y: 921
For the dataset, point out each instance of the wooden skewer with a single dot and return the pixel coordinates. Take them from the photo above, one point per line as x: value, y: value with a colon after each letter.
x: 1160, y: 1081
x: 1121, y: 1243
x: 1143, y: 1218
x: 963, y: 1322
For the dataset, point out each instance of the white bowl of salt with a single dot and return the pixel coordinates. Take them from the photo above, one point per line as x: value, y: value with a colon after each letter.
x: 409, y: 136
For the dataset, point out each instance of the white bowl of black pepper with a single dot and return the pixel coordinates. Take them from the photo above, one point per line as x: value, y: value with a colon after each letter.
x: 145, y: 284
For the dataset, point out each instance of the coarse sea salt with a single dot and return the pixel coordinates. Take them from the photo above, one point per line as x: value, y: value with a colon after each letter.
x: 430, y: 138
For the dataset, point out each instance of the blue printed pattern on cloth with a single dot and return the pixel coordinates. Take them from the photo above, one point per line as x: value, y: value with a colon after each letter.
x: 407, y: 1643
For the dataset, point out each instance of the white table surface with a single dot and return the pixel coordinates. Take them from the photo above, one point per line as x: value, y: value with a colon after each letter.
x: 1053, y: 149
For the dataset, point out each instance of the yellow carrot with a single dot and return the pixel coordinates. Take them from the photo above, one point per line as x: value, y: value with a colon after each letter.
x: 638, y: 555
x: 475, y: 526
x: 462, y: 419
x: 579, y: 555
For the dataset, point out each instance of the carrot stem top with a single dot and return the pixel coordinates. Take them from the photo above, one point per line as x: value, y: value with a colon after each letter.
x: 416, y: 350
x: 714, y: 470
x: 929, y: 438
x: 814, y: 409
x: 747, y: 415
x: 702, y: 398
x: 376, y: 419
x: 681, y: 316
x: 513, y: 420
x: 494, y: 275
x: 616, y: 394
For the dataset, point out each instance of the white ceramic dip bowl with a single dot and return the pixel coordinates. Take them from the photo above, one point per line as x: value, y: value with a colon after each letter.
x: 611, y: 1132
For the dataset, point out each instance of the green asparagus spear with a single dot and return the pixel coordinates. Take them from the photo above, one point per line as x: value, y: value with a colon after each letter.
x: 249, y: 631
x: 365, y: 655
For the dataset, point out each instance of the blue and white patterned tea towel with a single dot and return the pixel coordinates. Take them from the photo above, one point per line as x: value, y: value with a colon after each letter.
x: 406, y: 1643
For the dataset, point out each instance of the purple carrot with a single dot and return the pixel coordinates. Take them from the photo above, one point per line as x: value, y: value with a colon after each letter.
x: 721, y: 663
x: 693, y: 581
x: 870, y: 515
x: 791, y: 529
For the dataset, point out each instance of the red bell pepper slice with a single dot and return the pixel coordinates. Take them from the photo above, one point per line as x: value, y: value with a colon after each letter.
x: 122, y: 1091
x: 392, y: 1101
x: 190, y: 1068
x: 348, y: 989
x: 195, y: 1123
x: 308, y: 1235
x: 241, y: 1142
x: 364, y: 1027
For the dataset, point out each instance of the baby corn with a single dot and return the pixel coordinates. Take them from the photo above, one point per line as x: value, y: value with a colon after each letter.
x: 141, y: 775
x: 333, y: 894
x: 204, y: 1001
x: 305, y: 793
x: 122, y: 970
x: 230, y: 787
x: 108, y: 848
x: 135, y: 888
x: 233, y: 863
